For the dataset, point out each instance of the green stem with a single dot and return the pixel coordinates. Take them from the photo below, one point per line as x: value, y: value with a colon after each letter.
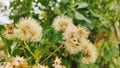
x: 101, y: 50
x: 51, y: 54
x: 27, y: 47
x: 6, y: 46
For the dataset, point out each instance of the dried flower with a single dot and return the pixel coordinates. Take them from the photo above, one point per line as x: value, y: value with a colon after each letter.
x: 72, y: 43
x: 90, y: 53
x: 83, y: 31
x: 60, y: 23
x: 10, y: 32
x: 57, y: 63
x: 72, y: 48
x: 71, y: 31
x: 29, y: 29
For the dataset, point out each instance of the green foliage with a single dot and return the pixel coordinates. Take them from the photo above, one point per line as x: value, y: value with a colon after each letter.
x: 98, y: 15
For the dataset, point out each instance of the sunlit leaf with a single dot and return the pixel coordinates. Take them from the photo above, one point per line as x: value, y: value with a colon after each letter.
x: 79, y: 16
x: 82, y: 5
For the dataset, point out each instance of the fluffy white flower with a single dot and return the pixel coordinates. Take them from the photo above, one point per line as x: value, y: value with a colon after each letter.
x: 70, y: 32
x: 90, y: 53
x: 72, y: 40
x: 60, y: 23
x: 72, y: 48
x: 83, y: 31
x: 29, y: 29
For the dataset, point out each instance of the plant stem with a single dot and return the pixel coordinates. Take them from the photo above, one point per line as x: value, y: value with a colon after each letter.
x: 27, y: 47
x: 100, y: 52
x: 51, y: 54
x: 6, y: 45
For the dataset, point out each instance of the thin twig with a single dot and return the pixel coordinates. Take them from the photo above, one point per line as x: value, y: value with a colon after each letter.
x: 51, y: 54
x: 27, y: 47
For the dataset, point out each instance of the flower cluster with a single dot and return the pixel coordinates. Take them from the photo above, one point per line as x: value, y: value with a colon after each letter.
x: 5, y: 11
x: 54, y: 5
x: 76, y: 38
x: 20, y: 62
x: 37, y: 8
x: 16, y: 62
x: 27, y: 29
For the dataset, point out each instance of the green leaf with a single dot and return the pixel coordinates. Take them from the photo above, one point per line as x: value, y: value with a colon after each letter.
x: 64, y: 1
x: 107, y: 56
x: 2, y: 27
x: 79, y: 16
x: 17, y: 51
x: 94, y: 14
x: 82, y: 5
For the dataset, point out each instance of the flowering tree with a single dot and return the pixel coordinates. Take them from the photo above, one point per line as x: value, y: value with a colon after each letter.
x: 59, y: 34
